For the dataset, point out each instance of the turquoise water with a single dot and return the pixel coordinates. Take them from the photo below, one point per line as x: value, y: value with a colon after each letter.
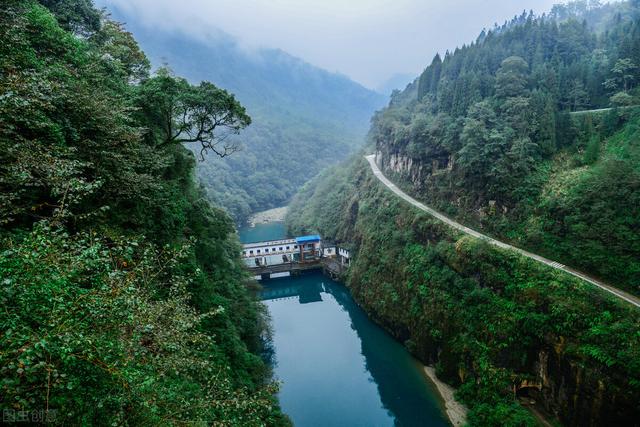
x: 262, y: 232
x: 338, y: 368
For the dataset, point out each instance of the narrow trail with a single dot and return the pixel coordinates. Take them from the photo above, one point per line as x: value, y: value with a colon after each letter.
x: 612, y: 290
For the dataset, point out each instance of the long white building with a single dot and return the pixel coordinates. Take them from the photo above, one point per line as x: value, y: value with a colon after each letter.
x: 301, y: 250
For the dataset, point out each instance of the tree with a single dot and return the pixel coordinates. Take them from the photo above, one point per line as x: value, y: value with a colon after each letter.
x: 511, y: 78
x: 545, y: 123
x: 523, y: 154
x: 622, y: 99
x: 180, y: 113
x: 429, y: 79
x: 77, y: 16
x: 592, y: 151
x: 120, y: 48
x: 578, y: 96
x: 482, y: 144
x: 516, y: 113
x: 623, y: 75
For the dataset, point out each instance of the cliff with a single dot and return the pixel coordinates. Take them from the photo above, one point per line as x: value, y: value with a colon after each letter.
x: 498, y: 326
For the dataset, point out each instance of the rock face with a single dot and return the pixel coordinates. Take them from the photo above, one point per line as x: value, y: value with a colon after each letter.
x: 402, y: 165
x: 578, y: 396
x: 420, y: 173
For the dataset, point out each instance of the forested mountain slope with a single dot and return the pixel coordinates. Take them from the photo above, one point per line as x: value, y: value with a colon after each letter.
x: 491, y: 320
x: 489, y: 134
x: 124, y: 301
x: 304, y: 118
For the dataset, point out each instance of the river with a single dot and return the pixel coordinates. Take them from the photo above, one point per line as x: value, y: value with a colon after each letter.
x: 337, y: 367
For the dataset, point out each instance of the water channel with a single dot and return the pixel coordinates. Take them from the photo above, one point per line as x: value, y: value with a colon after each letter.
x: 337, y: 367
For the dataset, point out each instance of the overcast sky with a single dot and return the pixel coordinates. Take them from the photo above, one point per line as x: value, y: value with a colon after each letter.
x: 368, y: 40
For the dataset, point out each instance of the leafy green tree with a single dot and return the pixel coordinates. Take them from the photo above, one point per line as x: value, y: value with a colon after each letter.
x: 578, y: 97
x: 430, y: 78
x: 121, y: 51
x: 77, y: 16
x: 622, y: 99
x: 180, y: 113
x: 592, y: 152
x: 511, y: 78
x: 100, y: 322
x: 624, y: 75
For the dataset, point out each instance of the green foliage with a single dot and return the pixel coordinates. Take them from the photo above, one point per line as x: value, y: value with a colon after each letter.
x: 624, y: 74
x: 511, y: 77
x: 622, y: 99
x: 124, y: 300
x: 103, y: 332
x: 304, y: 119
x: 122, y: 50
x: 592, y: 151
x: 179, y: 113
x: 77, y: 16
x: 490, y: 318
x: 517, y: 152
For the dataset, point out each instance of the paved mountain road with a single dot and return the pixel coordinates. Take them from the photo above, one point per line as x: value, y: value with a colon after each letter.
x: 616, y: 292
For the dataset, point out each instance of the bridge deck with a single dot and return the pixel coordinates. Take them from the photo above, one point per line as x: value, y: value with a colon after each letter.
x: 284, y: 268
x: 330, y: 266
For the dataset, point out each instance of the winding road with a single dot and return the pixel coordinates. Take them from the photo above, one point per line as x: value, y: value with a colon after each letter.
x: 616, y: 292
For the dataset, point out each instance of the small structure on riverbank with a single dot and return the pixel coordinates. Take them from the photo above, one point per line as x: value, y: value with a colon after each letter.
x: 310, y: 248
x: 293, y: 256
x: 344, y: 255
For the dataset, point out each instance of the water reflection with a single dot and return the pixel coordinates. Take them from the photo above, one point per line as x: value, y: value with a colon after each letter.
x: 310, y: 292
x: 338, y: 367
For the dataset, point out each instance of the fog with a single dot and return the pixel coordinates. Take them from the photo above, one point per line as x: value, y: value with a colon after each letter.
x: 368, y: 40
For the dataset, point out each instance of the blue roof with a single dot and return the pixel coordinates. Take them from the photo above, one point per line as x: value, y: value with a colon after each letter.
x: 308, y: 239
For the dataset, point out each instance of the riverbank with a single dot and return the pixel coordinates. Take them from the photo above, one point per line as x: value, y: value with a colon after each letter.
x: 456, y: 411
x: 272, y: 215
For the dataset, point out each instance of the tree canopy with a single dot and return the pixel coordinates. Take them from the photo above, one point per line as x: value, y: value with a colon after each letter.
x: 123, y: 296
x: 504, y: 132
x: 181, y: 113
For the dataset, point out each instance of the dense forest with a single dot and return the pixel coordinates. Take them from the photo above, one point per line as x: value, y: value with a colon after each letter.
x: 493, y: 134
x: 304, y: 119
x: 123, y: 297
x: 502, y: 134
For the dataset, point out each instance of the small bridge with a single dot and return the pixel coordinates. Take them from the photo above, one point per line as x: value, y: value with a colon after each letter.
x: 294, y: 256
x: 265, y: 271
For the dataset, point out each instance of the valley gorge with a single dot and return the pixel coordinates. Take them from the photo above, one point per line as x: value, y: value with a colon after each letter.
x: 424, y: 252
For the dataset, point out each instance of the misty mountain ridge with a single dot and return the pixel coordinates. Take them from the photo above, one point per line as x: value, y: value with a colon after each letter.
x: 304, y: 118
x: 262, y: 78
x: 398, y: 81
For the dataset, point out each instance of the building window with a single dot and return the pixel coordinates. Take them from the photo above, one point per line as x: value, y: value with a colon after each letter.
x: 288, y: 247
x: 280, y: 248
x: 266, y: 250
x: 251, y: 252
x: 258, y: 251
x: 295, y: 247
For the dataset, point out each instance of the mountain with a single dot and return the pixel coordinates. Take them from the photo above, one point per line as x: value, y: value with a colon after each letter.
x: 396, y: 82
x: 529, y: 134
x: 304, y: 118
